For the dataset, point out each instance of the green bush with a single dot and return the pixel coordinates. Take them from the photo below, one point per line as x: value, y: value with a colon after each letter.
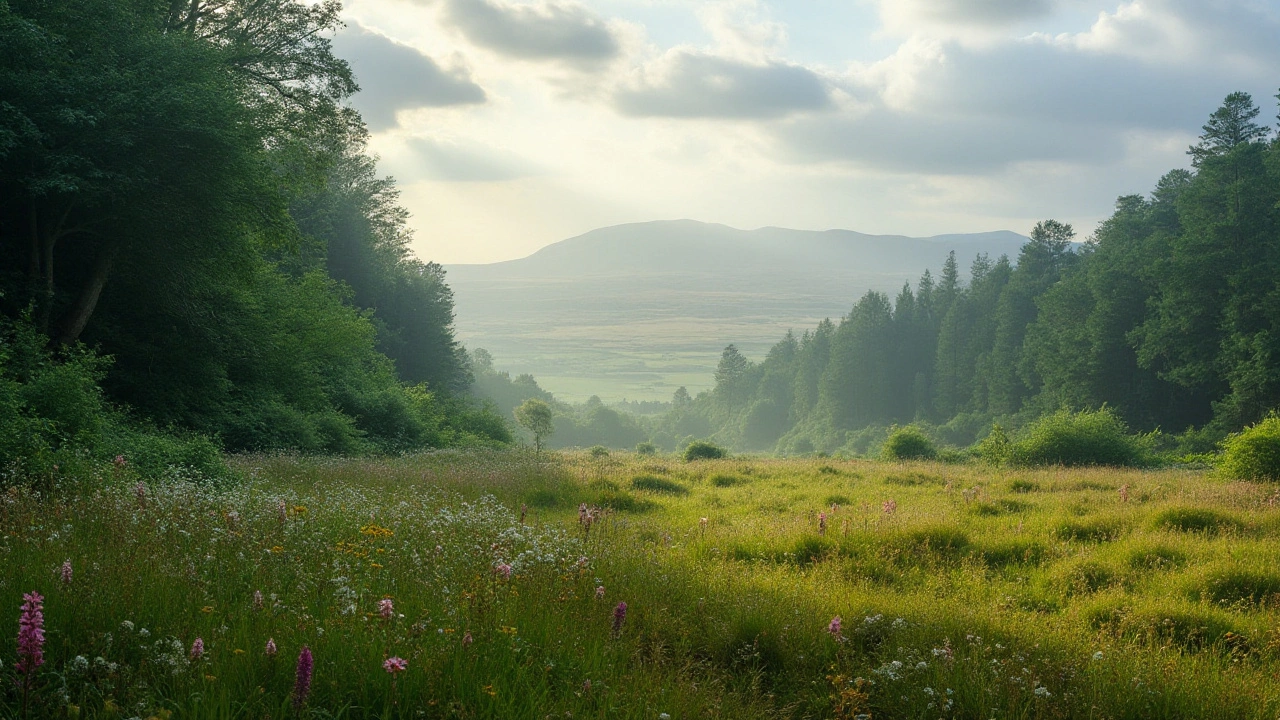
x: 655, y: 484
x: 908, y: 443
x: 1253, y: 453
x: 1091, y: 437
x: 995, y: 448
x: 646, y: 449
x: 702, y: 450
x: 1196, y: 520
x: 598, y: 451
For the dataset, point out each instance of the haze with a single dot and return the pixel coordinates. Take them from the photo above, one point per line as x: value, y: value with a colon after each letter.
x: 511, y: 125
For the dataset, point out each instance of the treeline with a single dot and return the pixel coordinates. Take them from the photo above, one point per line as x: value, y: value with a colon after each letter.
x: 192, y: 227
x: 1169, y: 315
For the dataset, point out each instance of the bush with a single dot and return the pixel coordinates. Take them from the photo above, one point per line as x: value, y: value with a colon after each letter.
x: 654, y: 484
x: 701, y: 450
x: 1097, y: 437
x: 995, y: 448
x: 1196, y: 520
x: 1253, y: 453
x: 598, y: 451
x: 646, y: 449
x: 908, y: 443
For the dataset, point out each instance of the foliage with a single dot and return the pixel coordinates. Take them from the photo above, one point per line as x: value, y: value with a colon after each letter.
x: 535, y: 416
x: 702, y: 450
x: 1097, y: 437
x: 1254, y: 453
x: 646, y: 449
x: 908, y: 443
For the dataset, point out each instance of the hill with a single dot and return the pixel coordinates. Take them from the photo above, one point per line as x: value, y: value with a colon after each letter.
x: 637, y: 310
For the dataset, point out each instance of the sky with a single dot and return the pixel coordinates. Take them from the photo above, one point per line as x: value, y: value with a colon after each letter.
x: 512, y: 124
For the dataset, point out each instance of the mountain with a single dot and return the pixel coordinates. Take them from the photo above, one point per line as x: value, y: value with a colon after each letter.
x: 637, y: 310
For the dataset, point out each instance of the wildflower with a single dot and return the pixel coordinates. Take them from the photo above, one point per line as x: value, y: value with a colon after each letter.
x: 664, y: 716
x: 120, y: 462
x: 257, y: 599
x: 395, y: 665
x: 197, y: 649
x: 619, y: 615
x: 282, y: 511
x: 140, y: 490
x: 66, y: 571
x: 583, y: 514
x: 504, y: 570
x: 1042, y: 691
x: 385, y: 608
x: 524, y: 509
x: 599, y: 592
x: 271, y: 648
x: 1097, y: 655
x: 586, y: 686
x: 890, y: 507
x: 822, y: 523
x: 1124, y: 493
x: 833, y: 627
x: 702, y: 524
x: 302, y: 682
x: 467, y: 639
x: 31, y: 635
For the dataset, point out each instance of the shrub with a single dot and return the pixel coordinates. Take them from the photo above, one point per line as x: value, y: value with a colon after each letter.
x: 654, y: 484
x: 995, y: 448
x: 702, y: 450
x: 1197, y: 520
x: 598, y: 451
x: 1254, y: 453
x: 646, y: 448
x: 908, y: 443
x: 1097, y: 437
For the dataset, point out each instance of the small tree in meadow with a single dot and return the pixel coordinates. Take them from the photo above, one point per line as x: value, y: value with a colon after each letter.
x: 534, y: 415
x: 908, y: 443
x: 1254, y: 453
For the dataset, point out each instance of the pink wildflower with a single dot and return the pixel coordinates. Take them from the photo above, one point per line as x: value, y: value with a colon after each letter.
x: 1124, y: 493
x: 890, y: 507
x: 822, y: 523
x: 120, y: 462
x: 271, y: 648
x: 385, y: 608
x: 599, y: 592
x: 31, y: 634
x: 197, y: 649
x: 834, y: 626
x: 257, y: 599
x: 66, y: 571
x: 467, y: 639
x: 395, y: 665
x: 302, y: 683
x: 619, y: 615
x: 504, y: 570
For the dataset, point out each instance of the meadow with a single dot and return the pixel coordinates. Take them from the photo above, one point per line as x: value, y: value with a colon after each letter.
x: 492, y: 585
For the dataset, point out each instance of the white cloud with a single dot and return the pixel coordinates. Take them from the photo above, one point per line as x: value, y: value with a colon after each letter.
x: 546, y: 30
x: 690, y: 84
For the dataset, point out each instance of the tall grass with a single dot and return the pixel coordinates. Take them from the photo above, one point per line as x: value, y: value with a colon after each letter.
x: 1072, y: 600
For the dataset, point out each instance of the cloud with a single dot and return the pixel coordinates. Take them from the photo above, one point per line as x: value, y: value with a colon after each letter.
x: 909, y: 16
x: 452, y: 160
x: 687, y: 84
x: 394, y: 77
x: 546, y: 30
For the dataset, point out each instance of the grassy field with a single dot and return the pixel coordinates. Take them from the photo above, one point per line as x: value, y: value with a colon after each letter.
x: 961, y: 591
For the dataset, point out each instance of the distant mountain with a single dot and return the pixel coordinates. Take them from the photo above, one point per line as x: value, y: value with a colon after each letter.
x: 689, y: 247
x: 637, y: 310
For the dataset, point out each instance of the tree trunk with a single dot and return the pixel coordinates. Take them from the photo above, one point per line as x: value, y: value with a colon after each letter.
x: 74, y: 321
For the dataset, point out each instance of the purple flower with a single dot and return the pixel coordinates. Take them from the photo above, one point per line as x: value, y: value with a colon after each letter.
x: 599, y: 592
x: 66, y: 571
x: 504, y: 570
x: 302, y: 684
x: 395, y: 665
x: 619, y: 615
x: 833, y: 627
x: 386, y: 608
x: 271, y: 647
x: 257, y: 599
x: 197, y: 649
x: 31, y: 634
x: 890, y: 507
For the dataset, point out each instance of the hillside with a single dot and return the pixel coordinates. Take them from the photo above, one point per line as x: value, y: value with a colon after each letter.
x: 637, y: 310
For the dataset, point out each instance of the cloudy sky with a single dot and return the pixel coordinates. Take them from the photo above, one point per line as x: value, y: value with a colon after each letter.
x: 512, y: 124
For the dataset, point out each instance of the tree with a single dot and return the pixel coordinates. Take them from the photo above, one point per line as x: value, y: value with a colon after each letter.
x: 534, y: 415
x: 1229, y: 126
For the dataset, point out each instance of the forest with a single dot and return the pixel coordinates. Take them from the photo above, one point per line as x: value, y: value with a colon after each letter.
x: 199, y: 253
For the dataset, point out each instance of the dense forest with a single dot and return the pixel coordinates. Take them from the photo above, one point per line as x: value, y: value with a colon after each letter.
x: 1168, y: 315
x: 198, y: 251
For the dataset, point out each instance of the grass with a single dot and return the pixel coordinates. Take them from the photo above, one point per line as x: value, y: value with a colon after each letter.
x: 963, y: 592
